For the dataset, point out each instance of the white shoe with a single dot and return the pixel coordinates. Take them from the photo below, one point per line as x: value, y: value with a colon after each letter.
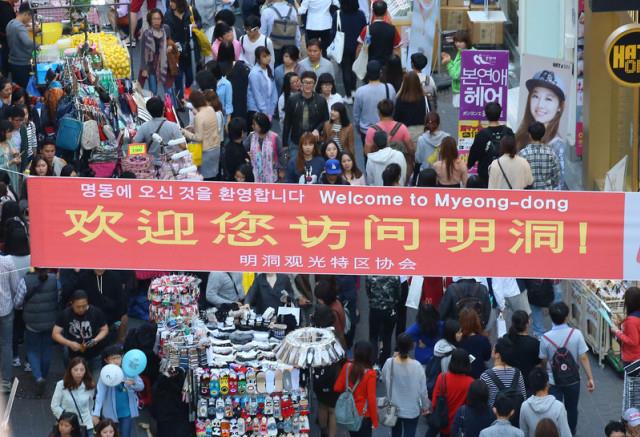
x: 27, y: 367
x: 17, y: 362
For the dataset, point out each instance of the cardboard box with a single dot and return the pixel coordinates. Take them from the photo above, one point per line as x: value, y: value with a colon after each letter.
x: 455, y: 3
x: 492, y: 7
x: 487, y: 30
x: 454, y: 18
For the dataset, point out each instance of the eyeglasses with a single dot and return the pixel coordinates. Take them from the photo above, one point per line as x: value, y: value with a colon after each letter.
x: 253, y: 29
x: 308, y: 82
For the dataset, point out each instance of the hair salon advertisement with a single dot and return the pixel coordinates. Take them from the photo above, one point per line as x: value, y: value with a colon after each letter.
x: 344, y: 230
x: 484, y: 78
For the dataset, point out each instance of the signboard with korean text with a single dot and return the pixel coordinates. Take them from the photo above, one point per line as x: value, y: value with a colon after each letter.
x: 484, y: 78
x: 205, y: 226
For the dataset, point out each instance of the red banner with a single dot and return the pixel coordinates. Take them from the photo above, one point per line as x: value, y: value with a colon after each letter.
x: 179, y: 225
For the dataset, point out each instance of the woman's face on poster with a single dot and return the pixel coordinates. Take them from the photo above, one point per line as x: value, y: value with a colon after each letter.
x: 545, y: 104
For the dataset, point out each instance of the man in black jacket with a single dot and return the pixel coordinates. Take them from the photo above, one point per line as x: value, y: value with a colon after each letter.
x: 466, y: 293
x: 304, y: 112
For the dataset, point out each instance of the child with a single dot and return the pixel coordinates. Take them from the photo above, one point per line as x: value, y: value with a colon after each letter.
x: 503, y: 408
x: 106, y: 428
x: 67, y: 426
x: 119, y: 403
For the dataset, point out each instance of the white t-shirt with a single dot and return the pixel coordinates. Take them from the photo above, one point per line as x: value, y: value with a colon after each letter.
x: 318, y: 16
x: 248, y: 52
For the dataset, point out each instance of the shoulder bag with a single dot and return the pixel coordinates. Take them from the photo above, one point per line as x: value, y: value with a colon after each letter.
x: 504, y: 174
x: 439, y: 418
x: 360, y: 64
x: 387, y: 411
x: 336, y: 48
x: 83, y: 427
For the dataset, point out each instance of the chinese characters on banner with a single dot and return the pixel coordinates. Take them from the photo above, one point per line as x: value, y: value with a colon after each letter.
x: 179, y: 225
x: 484, y: 78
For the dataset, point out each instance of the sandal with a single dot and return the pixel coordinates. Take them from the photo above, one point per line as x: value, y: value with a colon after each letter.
x: 270, y: 380
x: 286, y: 380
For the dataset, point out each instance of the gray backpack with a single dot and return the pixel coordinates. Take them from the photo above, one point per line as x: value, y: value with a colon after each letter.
x: 346, y: 411
x: 284, y: 29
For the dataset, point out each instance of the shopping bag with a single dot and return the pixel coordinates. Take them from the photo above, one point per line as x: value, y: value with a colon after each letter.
x: 415, y: 292
x: 501, y: 326
x: 336, y: 49
x: 360, y: 64
x: 196, y: 152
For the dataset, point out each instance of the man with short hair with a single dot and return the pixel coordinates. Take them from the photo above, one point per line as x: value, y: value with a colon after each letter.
x: 314, y: 61
x: 21, y: 45
x: 7, y: 13
x: 561, y: 336
x: 503, y: 408
x: 254, y: 39
x: 397, y: 132
x: 486, y: 145
x: 466, y: 293
x: 542, y: 160
x: 367, y: 97
x: 379, y: 160
x: 305, y: 111
x: 384, y: 38
x: 542, y: 405
x: 168, y: 130
x: 614, y: 429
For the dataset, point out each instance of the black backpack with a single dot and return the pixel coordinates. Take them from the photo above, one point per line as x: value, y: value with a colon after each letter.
x: 492, y: 148
x: 467, y: 297
x: 540, y: 292
x: 564, y: 368
x: 512, y: 392
x: 432, y: 370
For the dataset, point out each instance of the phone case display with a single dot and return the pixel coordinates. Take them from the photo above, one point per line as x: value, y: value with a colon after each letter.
x: 173, y: 296
x: 250, y: 401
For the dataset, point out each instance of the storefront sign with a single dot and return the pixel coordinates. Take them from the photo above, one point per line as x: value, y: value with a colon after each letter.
x: 484, y: 78
x: 467, y: 131
x: 179, y: 225
x: 614, y: 5
x: 136, y: 149
x: 623, y: 55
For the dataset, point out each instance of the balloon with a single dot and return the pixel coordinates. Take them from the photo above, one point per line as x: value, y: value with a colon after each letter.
x: 111, y: 375
x: 134, y: 362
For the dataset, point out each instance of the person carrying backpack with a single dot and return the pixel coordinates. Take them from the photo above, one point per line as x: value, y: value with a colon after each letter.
x: 356, y: 407
x: 439, y: 362
x: 504, y: 379
x: 279, y: 21
x: 486, y: 145
x: 466, y: 293
x: 560, y: 349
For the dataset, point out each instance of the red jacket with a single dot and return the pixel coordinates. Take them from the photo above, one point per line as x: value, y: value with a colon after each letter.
x: 456, y: 390
x: 366, y: 391
x: 629, y: 338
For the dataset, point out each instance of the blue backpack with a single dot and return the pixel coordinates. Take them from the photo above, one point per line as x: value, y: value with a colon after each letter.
x: 346, y: 411
x: 432, y: 370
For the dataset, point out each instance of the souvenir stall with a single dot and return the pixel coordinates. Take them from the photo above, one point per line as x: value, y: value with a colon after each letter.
x: 245, y: 374
x: 592, y: 306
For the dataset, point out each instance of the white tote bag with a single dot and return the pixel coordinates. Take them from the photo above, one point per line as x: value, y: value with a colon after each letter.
x: 336, y: 49
x: 360, y: 64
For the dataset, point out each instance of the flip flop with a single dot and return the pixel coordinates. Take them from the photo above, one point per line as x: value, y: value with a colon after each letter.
x: 295, y: 379
x: 261, y: 382
x: 270, y: 381
x: 286, y: 381
x: 278, y: 381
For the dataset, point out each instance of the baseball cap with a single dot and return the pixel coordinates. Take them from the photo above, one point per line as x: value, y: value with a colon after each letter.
x: 548, y: 79
x: 632, y: 416
x: 332, y: 166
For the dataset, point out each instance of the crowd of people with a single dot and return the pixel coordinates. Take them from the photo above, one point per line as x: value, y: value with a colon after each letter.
x: 264, y: 105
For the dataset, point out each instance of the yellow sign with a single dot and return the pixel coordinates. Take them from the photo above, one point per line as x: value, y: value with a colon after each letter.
x: 623, y: 55
x: 137, y: 149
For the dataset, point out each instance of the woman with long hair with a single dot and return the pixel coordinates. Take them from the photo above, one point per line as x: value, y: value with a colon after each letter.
x: 154, y: 65
x: 290, y: 57
x: 474, y: 341
x: 75, y: 393
x: 406, y: 387
x: 326, y: 87
x: 178, y: 19
x: 265, y: 150
x: 330, y: 150
x: 67, y: 425
x: 451, y: 170
x: 213, y: 100
x: 391, y: 175
x: 106, y: 428
x: 428, y: 148
x: 476, y: 414
x: 393, y: 73
x: 291, y: 85
x: 425, y: 332
x: 411, y: 106
x: 451, y: 336
x: 462, y: 41
x: 350, y: 171
x: 545, y: 104
x: 205, y: 131
x: 629, y: 333
x: 262, y: 95
x: 526, y: 348
x: 510, y: 171
x: 339, y: 128
x: 360, y: 371
x: 307, y: 166
x: 39, y: 167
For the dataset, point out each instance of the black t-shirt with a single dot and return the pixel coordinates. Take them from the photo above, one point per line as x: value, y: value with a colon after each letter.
x: 478, y: 152
x: 525, y: 355
x: 382, y: 37
x: 105, y: 292
x: 82, y: 328
x: 234, y: 156
x: 7, y: 13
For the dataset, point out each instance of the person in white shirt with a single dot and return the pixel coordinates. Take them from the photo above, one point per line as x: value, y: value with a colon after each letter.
x: 252, y: 40
x: 319, y: 20
x: 326, y: 87
x: 270, y: 15
x: 379, y: 160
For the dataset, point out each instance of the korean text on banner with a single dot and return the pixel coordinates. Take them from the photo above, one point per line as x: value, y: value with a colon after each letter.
x: 484, y: 78
x: 180, y: 225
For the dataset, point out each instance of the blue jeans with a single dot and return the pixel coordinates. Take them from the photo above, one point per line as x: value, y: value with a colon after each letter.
x: 38, y: 345
x: 405, y: 427
x: 153, y: 84
x: 569, y: 395
x: 6, y: 340
x: 537, y: 321
x: 126, y: 426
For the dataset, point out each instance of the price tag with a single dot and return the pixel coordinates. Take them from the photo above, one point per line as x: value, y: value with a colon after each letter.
x: 137, y: 149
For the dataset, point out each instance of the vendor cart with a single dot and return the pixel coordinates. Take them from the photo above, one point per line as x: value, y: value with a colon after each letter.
x: 631, y: 394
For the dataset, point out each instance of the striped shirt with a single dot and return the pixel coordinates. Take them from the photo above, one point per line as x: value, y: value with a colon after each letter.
x: 12, y: 287
x: 505, y: 375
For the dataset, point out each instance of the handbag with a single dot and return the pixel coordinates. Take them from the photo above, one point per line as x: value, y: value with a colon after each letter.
x: 360, y: 64
x: 83, y: 428
x: 201, y: 39
x: 439, y: 418
x: 387, y: 412
x: 336, y: 48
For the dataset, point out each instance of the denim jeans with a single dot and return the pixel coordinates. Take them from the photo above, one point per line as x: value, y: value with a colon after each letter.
x: 537, y: 321
x: 153, y: 84
x: 569, y: 395
x: 6, y: 339
x: 126, y: 426
x: 405, y: 427
x: 38, y: 345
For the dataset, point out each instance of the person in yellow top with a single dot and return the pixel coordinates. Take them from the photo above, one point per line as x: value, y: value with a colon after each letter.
x: 205, y: 131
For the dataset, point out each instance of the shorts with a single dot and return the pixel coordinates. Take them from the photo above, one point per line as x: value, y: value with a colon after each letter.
x: 136, y: 5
